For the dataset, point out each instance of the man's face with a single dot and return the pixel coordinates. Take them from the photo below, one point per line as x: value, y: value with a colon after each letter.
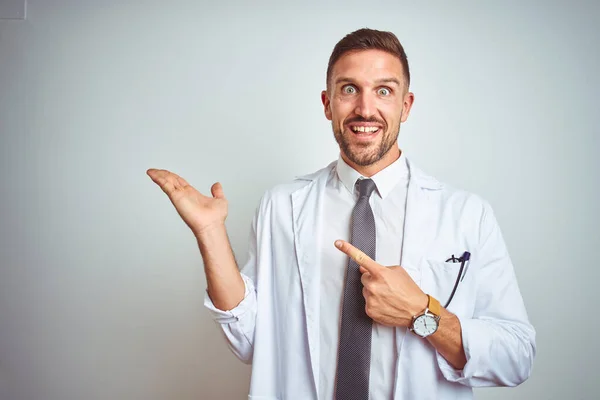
x: 366, y: 100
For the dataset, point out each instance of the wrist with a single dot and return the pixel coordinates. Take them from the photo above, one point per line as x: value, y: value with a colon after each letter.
x: 421, y: 304
x: 209, y: 232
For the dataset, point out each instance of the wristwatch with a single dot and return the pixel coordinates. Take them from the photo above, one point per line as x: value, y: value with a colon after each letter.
x: 427, y: 323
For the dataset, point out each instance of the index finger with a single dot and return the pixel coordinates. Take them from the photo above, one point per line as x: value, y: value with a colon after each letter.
x: 358, y: 256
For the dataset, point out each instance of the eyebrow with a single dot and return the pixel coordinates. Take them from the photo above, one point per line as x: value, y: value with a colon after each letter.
x: 378, y: 81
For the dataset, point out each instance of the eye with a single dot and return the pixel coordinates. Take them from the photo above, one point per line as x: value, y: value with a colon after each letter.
x: 349, y: 89
x: 384, y: 92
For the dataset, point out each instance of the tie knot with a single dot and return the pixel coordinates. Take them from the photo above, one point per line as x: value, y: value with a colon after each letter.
x: 365, y: 187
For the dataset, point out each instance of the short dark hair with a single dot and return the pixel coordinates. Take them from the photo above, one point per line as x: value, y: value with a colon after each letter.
x: 369, y: 39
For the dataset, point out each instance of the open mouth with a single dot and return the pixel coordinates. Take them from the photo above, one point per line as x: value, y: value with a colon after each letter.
x: 364, y: 132
x: 364, y: 129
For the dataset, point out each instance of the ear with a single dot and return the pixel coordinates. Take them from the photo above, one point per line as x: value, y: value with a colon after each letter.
x: 409, y: 99
x: 326, y: 104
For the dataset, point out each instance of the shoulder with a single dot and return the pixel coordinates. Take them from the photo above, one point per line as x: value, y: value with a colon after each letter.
x: 449, y: 196
x: 282, y: 192
x: 463, y: 211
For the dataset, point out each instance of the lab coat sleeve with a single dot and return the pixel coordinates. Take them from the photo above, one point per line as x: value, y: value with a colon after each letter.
x: 238, y: 323
x: 499, y: 341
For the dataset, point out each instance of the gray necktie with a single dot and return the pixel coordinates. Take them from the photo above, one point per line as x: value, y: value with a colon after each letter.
x: 354, y: 355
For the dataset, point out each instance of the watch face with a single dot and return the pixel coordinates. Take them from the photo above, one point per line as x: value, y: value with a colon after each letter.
x: 425, y: 325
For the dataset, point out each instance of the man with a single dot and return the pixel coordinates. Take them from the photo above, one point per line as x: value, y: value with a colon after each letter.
x: 425, y: 305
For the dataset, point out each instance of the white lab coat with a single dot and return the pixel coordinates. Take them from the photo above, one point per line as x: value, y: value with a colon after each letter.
x: 276, y: 326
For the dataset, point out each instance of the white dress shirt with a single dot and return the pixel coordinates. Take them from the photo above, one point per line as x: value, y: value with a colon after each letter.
x: 388, y: 203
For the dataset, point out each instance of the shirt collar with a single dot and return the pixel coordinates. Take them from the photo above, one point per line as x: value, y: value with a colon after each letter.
x: 385, y: 180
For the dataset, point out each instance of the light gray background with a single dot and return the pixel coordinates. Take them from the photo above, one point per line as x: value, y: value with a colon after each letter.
x: 101, y: 284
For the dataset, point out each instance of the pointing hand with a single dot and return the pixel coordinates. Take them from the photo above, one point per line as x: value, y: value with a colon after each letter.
x: 392, y: 297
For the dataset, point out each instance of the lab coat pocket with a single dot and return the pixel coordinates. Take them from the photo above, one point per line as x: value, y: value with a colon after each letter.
x: 439, y: 279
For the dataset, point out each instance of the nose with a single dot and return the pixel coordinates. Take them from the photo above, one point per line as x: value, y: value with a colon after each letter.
x: 365, y: 106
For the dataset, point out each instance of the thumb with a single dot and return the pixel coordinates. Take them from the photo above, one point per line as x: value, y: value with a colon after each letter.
x: 217, y: 191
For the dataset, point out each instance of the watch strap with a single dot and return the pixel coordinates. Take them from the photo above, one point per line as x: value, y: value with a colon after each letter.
x: 434, y: 306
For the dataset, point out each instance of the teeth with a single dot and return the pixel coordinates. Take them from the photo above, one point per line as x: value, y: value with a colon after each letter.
x: 364, y: 129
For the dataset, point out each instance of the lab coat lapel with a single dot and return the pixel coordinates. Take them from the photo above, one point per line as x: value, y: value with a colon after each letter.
x: 420, y: 229
x: 307, y: 210
x: 420, y: 220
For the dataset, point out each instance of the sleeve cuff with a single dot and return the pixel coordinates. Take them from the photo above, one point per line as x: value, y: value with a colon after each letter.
x: 474, y: 333
x: 233, y: 315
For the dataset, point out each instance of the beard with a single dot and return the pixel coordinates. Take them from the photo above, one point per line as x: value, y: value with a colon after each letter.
x: 365, y: 154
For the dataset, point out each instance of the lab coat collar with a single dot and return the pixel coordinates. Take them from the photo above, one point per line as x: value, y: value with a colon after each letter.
x: 421, y: 179
x: 417, y: 176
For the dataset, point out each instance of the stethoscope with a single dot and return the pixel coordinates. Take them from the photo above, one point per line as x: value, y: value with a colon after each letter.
x: 462, y: 260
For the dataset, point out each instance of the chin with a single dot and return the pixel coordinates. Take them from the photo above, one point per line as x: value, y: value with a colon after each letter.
x: 363, y: 159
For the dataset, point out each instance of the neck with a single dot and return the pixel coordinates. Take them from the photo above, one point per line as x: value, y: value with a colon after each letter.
x: 369, y: 170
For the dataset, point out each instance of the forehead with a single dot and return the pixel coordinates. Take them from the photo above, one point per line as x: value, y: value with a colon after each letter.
x: 367, y: 66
